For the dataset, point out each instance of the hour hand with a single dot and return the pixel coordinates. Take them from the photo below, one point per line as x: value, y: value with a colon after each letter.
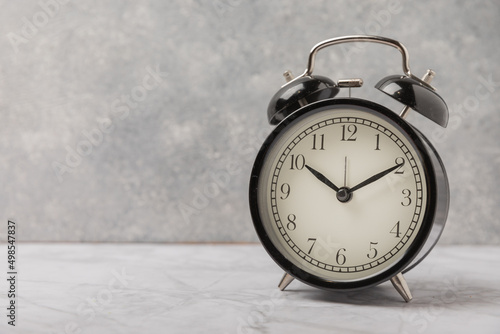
x: 322, y: 178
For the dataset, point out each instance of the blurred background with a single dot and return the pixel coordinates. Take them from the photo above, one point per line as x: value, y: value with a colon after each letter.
x: 138, y: 121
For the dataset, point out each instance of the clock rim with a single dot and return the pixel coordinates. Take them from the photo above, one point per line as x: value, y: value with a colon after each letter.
x: 427, y: 222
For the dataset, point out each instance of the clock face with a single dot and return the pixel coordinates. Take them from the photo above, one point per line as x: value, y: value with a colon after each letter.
x: 341, y: 194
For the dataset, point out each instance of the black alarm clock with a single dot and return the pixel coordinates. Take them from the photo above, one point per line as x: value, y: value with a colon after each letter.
x: 344, y: 193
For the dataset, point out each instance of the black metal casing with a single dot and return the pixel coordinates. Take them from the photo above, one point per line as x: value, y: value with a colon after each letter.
x: 416, y: 95
x: 437, y: 199
x: 303, y: 90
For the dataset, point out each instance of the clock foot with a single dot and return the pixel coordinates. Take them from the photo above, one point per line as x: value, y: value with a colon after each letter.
x: 401, y: 286
x: 287, y: 279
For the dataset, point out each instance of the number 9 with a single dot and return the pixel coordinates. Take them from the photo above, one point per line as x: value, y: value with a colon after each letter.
x: 285, y: 190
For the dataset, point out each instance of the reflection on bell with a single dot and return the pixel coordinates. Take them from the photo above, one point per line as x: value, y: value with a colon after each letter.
x: 298, y: 93
x: 417, y: 96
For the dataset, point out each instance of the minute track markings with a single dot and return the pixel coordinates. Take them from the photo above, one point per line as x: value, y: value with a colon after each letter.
x: 415, y: 171
x: 410, y: 158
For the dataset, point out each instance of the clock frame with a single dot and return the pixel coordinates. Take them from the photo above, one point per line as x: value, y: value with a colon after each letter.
x: 308, y: 94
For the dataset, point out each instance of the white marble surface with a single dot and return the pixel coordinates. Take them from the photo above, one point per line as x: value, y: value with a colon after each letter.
x: 157, y: 288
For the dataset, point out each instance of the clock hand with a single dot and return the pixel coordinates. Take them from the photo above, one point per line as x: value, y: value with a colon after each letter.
x: 322, y: 178
x: 374, y: 178
x: 345, y: 172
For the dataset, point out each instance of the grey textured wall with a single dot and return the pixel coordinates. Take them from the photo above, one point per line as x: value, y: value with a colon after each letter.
x: 139, y: 120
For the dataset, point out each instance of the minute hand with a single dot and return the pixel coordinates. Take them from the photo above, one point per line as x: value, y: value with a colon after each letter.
x: 374, y: 178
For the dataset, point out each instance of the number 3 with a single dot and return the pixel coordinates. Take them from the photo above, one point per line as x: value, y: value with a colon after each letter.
x: 407, y: 194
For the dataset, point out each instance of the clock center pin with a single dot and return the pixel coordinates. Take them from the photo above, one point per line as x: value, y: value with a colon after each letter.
x: 344, y: 195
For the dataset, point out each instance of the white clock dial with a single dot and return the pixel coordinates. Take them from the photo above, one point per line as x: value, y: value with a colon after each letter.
x: 342, y: 193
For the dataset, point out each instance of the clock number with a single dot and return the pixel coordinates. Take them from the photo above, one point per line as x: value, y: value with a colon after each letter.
x: 377, y: 144
x: 291, y: 222
x: 395, y: 230
x: 373, y: 251
x: 351, y: 131
x: 340, y: 258
x: 407, y: 200
x: 313, y: 243
x: 400, y: 161
x: 298, y: 162
x: 320, y: 145
x: 285, y: 190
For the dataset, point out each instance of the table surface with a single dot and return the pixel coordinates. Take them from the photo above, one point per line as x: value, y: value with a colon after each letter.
x: 190, y: 288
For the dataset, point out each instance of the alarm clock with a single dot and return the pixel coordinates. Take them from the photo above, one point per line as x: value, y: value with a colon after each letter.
x: 345, y: 194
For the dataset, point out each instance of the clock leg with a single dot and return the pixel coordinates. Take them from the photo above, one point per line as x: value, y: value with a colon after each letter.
x: 401, y: 286
x: 287, y: 279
